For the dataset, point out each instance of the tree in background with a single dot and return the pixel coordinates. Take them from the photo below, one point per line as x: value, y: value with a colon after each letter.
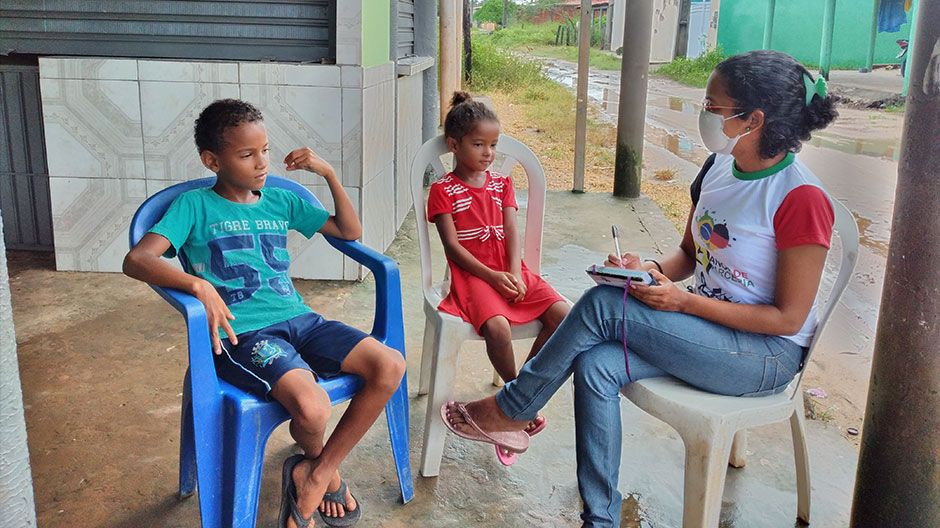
x: 492, y: 11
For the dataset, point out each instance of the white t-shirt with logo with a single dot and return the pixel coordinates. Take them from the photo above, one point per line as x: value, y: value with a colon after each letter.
x: 742, y: 220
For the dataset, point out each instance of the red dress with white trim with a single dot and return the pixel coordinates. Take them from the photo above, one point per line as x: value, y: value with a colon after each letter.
x: 478, y: 219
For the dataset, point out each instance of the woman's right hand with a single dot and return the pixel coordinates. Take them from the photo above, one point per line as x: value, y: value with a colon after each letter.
x: 505, y: 284
x: 217, y: 313
x: 627, y: 260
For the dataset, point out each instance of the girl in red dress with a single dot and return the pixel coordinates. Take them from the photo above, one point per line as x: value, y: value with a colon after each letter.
x: 475, y: 212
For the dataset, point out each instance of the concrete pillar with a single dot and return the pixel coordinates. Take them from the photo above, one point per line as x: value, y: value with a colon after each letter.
x: 634, y: 79
x: 825, y: 49
x: 898, y: 479
x: 17, y: 505
x: 769, y: 23
x: 870, y: 59
x: 584, y: 71
x: 426, y: 40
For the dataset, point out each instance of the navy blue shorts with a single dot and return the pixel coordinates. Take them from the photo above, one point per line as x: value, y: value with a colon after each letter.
x: 307, y: 342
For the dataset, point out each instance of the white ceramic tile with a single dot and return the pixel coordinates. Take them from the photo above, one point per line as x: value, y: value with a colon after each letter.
x: 182, y: 71
x: 87, y: 68
x: 378, y: 138
x: 378, y: 210
x: 316, y: 258
x: 352, y: 137
x: 289, y: 74
x: 92, y: 128
x: 349, y: 32
x: 169, y: 110
x: 90, y: 220
x: 408, y: 131
x: 299, y: 116
x: 351, y: 76
x: 378, y: 74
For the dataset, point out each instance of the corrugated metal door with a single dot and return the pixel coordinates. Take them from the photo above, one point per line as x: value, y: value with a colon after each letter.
x: 24, y: 179
x: 406, y: 28
x: 280, y: 30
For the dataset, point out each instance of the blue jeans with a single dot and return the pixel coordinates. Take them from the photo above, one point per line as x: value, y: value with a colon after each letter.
x: 588, y: 345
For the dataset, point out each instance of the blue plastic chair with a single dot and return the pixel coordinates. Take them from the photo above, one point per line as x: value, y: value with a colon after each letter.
x: 224, y: 429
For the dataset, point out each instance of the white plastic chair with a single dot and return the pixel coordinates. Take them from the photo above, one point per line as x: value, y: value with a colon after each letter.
x: 714, y: 428
x: 445, y: 333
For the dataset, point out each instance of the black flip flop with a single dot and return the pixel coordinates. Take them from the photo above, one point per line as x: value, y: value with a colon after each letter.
x: 289, y: 496
x: 339, y: 497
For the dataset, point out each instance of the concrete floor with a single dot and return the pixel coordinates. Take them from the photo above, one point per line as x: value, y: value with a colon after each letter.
x: 102, y: 360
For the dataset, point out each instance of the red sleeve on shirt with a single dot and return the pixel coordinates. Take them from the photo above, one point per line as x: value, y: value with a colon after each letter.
x: 804, y: 218
x: 509, y: 194
x: 438, y: 202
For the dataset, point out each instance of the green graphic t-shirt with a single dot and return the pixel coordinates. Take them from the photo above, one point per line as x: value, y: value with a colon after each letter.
x: 241, y: 249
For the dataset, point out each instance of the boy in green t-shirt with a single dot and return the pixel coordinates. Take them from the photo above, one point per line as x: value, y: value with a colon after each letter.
x: 234, y: 239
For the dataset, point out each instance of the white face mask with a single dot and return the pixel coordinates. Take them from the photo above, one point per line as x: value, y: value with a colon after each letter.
x: 711, y: 128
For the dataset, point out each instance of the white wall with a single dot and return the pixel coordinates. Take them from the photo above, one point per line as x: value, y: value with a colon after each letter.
x: 665, y: 24
x: 119, y: 130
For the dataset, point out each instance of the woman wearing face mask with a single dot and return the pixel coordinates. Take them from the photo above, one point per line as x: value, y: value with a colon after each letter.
x: 755, y: 242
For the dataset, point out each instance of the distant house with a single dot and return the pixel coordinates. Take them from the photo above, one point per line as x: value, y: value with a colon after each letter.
x: 104, y: 103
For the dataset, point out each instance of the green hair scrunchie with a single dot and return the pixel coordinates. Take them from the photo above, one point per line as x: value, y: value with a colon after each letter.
x: 820, y: 88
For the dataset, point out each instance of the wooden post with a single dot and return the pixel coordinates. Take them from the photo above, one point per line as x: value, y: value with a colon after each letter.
x: 580, y: 131
x: 448, y: 58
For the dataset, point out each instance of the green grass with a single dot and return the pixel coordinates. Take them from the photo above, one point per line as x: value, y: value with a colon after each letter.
x: 539, y: 39
x: 495, y: 69
x: 692, y: 72
x: 523, y: 35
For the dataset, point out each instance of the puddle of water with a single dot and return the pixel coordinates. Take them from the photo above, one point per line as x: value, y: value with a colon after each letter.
x: 883, y: 148
x: 866, y: 239
x: 685, y: 106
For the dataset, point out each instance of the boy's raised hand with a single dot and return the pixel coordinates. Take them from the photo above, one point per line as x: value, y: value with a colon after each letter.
x: 217, y: 313
x: 305, y: 158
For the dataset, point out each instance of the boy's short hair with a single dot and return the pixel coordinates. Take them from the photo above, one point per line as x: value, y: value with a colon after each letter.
x: 219, y: 116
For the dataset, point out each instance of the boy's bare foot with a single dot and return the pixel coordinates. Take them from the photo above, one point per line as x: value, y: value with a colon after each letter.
x: 488, y: 416
x: 335, y: 509
x: 311, y: 488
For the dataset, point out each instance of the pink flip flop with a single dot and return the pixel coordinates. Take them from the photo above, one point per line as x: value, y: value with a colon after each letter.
x: 515, y: 441
x: 509, y: 458
x: 538, y: 428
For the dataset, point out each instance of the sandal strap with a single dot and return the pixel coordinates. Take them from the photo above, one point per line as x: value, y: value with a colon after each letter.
x: 338, y: 496
x: 298, y: 517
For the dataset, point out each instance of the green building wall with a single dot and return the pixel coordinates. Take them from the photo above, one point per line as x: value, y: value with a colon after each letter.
x: 798, y: 31
x: 376, y: 32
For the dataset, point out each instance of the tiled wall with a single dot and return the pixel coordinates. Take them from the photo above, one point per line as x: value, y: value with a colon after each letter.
x: 120, y: 130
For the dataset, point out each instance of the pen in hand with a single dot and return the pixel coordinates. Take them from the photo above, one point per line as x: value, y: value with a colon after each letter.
x: 615, y: 231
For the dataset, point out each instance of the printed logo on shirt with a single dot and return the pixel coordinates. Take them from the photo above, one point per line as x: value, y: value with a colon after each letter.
x: 264, y: 353
x: 715, y: 237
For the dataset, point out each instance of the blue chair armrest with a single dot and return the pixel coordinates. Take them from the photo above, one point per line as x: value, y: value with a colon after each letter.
x: 201, y: 367
x: 389, y: 324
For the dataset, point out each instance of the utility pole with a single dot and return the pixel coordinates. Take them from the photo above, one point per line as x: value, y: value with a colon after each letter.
x: 825, y: 49
x: 769, y: 23
x: 467, y: 54
x: 682, y: 30
x: 580, y: 127
x: 505, y: 13
x: 898, y: 478
x: 448, y: 58
x: 634, y: 79
x: 870, y: 60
